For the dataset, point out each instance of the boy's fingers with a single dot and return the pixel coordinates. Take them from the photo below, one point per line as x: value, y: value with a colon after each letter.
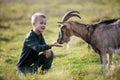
x: 59, y: 45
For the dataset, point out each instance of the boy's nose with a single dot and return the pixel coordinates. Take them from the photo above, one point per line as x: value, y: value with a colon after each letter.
x: 44, y: 25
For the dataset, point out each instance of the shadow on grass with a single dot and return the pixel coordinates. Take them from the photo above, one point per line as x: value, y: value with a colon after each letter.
x: 4, y: 27
x: 60, y: 55
x: 2, y: 77
x: 4, y: 39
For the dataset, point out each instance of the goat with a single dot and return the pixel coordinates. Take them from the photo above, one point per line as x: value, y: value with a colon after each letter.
x: 103, y: 36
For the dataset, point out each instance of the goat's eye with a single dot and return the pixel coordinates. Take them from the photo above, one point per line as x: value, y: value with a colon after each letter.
x: 63, y: 27
x: 59, y: 25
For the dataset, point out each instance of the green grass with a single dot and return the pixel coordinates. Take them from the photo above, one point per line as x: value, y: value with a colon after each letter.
x: 77, y: 63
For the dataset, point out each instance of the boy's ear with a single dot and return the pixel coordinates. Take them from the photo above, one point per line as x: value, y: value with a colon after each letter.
x: 33, y: 23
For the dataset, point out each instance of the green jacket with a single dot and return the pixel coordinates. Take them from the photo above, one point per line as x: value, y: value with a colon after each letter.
x: 33, y: 44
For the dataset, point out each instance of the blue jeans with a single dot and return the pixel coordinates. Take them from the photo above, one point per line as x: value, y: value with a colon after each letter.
x: 41, y: 61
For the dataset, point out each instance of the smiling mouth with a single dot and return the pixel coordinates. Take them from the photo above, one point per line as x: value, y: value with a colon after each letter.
x: 43, y: 28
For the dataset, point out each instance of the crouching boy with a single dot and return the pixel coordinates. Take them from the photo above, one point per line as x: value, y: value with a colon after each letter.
x: 30, y: 58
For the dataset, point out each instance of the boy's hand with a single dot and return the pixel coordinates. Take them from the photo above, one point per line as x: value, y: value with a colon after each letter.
x: 56, y: 44
x: 47, y: 53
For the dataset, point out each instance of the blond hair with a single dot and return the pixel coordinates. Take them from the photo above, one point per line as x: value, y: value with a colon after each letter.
x: 36, y: 15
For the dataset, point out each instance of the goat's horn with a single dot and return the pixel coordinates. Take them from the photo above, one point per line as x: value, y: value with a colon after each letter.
x: 69, y: 14
x: 73, y: 15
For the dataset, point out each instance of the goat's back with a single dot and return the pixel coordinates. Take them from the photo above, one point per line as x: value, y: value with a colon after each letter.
x: 107, y: 34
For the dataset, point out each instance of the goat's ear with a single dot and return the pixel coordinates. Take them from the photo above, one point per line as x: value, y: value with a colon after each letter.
x: 60, y: 23
x: 64, y: 25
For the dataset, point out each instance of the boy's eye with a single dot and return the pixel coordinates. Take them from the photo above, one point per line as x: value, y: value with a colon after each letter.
x: 42, y: 23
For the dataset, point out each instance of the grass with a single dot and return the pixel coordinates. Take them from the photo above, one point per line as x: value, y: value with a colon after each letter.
x: 75, y: 64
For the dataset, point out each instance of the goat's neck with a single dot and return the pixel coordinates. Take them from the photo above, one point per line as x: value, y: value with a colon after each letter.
x: 81, y: 30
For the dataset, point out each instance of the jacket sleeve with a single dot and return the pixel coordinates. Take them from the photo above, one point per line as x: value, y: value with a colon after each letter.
x: 33, y: 43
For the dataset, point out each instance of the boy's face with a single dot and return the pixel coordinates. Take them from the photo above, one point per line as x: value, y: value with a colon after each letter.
x: 40, y: 24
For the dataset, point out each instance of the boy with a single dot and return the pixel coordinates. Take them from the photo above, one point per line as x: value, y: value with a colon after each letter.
x: 34, y: 42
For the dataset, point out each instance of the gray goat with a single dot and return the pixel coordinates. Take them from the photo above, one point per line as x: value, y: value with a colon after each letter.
x: 103, y: 36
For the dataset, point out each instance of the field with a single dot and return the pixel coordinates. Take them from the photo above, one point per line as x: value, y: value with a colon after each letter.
x: 77, y: 63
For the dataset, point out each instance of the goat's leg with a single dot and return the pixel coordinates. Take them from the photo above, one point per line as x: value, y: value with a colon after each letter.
x: 103, y: 62
x: 110, y: 61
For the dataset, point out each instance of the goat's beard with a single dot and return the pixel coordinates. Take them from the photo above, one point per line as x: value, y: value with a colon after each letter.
x: 68, y: 45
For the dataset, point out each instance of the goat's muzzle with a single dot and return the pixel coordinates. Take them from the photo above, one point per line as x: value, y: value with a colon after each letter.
x: 59, y: 41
